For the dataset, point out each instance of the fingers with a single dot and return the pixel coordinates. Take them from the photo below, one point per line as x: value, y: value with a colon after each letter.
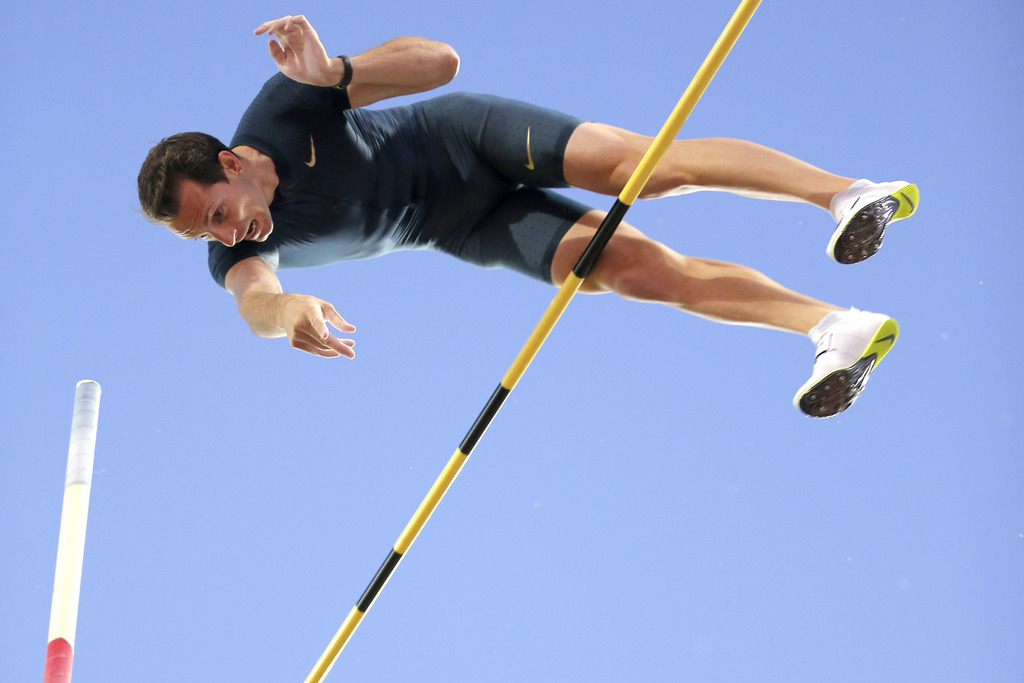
x: 306, y: 319
x: 283, y: 29
x: 331, y: 347
x: 276, y: 52
x: 325, y: 347
x: 316, y: 337
x: 283, y: 24
x: 297, y: 50
x: 317, y: 322
x: 333, y: 317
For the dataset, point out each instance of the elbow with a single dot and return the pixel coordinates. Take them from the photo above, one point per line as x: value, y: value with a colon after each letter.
x: 446, y: 64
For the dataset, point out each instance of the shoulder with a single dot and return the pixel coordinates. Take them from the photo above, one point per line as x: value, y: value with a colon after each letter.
x: 281, y: 91
x: 279, y: 119
x: 221, y: 259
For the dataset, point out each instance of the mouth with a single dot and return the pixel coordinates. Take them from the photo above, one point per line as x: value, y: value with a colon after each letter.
x: 251, y: 232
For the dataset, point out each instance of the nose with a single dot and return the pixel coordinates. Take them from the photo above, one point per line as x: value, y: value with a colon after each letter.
x: 225, y: 234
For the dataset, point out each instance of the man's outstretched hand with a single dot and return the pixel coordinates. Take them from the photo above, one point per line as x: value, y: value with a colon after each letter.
x: 305, y: 320
x: 298, y: 51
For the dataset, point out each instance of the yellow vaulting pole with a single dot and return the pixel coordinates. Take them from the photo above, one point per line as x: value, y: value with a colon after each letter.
x: 540, y: 333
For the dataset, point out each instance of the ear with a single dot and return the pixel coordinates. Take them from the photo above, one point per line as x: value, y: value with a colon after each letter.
x: 229, y: 162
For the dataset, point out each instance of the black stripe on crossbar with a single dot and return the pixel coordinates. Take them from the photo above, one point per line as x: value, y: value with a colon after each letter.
x: 600, y: 239
x: 494, y: 404
x: 381, y: 578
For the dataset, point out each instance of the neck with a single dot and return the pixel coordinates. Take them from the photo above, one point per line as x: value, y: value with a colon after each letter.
x: 261, y: 167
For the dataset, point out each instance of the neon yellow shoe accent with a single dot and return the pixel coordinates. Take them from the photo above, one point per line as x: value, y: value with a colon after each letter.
x: 883, y: 341
x: 908, y: 198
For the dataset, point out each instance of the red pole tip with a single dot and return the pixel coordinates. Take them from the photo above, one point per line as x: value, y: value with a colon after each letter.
x: 58, y: 662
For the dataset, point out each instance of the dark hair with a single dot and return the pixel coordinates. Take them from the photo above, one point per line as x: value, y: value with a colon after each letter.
x: 185, y: 156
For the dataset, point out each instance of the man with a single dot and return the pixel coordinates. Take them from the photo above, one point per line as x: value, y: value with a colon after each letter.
x: 312, y: 177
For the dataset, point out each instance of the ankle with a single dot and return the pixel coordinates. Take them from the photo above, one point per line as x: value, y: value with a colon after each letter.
x: 839, y: 197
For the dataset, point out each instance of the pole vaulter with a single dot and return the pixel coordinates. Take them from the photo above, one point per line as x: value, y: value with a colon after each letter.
x: 540, y: 333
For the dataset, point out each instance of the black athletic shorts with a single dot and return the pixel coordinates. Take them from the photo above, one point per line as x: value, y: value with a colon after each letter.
x: 508, y: 153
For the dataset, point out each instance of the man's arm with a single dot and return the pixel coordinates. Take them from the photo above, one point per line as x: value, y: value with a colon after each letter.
x: 272, y: 313
x: 401, y: 66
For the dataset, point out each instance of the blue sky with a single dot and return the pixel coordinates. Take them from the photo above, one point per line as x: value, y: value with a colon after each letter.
x: 648, y: 505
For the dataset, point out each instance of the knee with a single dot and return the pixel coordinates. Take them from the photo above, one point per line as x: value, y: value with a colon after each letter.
x: 640, y: 269
x: 602, y: 158
x: 671, y: 176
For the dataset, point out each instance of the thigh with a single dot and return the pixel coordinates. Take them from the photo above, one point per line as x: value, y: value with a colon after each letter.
x: 522, y: 233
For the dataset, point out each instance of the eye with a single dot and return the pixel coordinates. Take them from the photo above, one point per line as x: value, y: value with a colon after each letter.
x: 218, y: 214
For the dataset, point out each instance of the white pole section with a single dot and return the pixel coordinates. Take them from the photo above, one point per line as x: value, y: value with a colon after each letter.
x: 67, y: 580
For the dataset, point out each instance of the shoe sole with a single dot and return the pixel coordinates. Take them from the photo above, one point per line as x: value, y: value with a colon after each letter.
x: 836, y: 391
x: 861, y: 235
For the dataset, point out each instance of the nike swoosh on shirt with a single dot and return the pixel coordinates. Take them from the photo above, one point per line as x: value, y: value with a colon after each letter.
x: 312, y: 153
x: 529, y: 157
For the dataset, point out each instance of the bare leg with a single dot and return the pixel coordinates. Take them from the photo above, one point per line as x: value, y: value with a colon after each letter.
x: 637, y: 267
x: 601, y: 158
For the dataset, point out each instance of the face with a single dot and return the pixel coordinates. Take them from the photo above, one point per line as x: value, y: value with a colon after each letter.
x: 226, y: 212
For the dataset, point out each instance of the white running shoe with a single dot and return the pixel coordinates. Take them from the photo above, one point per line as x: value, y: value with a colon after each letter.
x: 863, y: 211
x: 850, y: 344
